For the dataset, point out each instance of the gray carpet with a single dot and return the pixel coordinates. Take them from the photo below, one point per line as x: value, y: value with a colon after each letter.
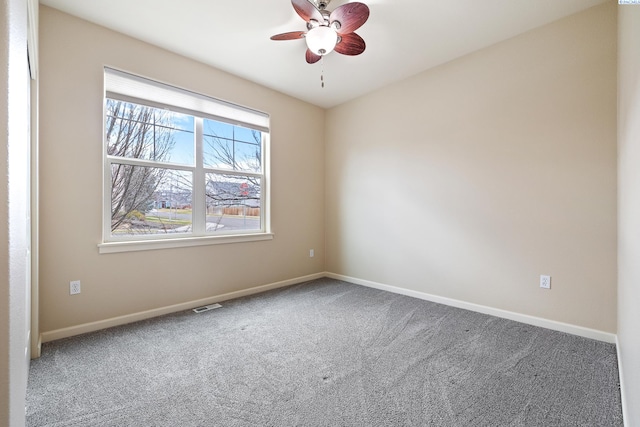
x: 325, y: 353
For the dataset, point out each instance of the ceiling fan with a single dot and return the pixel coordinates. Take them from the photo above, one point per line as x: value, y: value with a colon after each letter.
x: 328, y: 31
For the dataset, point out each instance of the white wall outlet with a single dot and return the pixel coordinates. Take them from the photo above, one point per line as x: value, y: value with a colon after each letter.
x: 311, y: 253
x: 545, y: 281
x: 74, y: 287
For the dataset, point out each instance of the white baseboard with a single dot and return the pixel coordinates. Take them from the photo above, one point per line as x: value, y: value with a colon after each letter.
x: 523, y: 318
x: 134, y: 317
x: 622, y: 388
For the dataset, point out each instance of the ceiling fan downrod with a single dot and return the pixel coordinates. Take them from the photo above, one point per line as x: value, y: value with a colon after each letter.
x: 320, y: 4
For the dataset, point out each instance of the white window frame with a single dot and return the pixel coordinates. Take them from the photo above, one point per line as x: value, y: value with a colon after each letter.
x: 127, y: 87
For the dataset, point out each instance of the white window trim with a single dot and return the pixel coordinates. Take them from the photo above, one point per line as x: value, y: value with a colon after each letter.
x: 181, y: 242
x: 130, y: 88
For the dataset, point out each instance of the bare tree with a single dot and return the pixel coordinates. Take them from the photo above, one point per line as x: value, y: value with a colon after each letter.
x: 138, y: 132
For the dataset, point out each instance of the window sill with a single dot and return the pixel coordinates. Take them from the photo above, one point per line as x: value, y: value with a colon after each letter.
x: 148, y: 245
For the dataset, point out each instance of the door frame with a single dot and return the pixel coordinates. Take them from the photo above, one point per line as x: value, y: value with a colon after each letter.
x: 32, y: 50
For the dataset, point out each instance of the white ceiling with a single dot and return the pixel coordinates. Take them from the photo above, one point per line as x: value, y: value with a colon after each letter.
x: 404, y: 37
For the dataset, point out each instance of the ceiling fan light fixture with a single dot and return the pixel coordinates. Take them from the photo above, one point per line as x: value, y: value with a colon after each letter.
x: 321, y: 40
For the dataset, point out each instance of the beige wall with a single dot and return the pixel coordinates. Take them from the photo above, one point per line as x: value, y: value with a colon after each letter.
x: 470, y: 180
x: 629, y: 208
x: 14, y: 180
x: 72, y: 55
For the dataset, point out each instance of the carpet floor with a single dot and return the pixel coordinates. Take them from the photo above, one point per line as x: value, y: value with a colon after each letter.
x: 325, y: 353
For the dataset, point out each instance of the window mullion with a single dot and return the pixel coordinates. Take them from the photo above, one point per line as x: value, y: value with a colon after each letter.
x: 148, y: 163
x: 233, y: 173
x: 199, y: 210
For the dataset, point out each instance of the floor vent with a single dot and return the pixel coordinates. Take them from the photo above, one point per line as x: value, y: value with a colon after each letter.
x: 206, y: 308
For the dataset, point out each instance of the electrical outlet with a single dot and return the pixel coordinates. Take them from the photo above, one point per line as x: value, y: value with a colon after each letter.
x: 545, y: 281
x: 311, y: 253
x: 74, y: 287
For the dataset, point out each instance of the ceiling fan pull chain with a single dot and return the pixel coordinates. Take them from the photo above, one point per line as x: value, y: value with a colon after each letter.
x: 322, y: 71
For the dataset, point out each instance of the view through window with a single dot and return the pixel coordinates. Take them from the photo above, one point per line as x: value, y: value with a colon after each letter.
x: 174, y: 174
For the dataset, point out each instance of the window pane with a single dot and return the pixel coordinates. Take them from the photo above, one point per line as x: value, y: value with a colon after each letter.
x: 233, y: 203
x: 246, y: 135
x: 232, y: 147
x: 248, y: 157
x: 184, y: 141
x: 217, y: 129
x: 141, y: 132
x: 218, y: 153
x: 146, y: 200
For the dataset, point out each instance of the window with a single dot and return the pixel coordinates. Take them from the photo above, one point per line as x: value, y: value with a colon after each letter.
x: 180, y: 168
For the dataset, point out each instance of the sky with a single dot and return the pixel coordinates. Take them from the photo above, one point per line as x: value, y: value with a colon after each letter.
x: 219, y: 139
x: 217, y: 136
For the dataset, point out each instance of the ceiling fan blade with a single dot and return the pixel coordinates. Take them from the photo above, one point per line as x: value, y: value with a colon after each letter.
x: 351, y: 16
x: 289, y: 36
x: 307, y: 10
x: 351, y: 44
x: 311, y: 57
